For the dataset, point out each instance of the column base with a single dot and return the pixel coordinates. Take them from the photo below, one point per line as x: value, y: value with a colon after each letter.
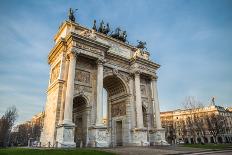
x: 139, y: 137
x: 99, y: 136
x: 157, y: 137
x: 65, y: 135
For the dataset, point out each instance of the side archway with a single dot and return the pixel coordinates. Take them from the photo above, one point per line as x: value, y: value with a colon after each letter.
x: 80, y: 117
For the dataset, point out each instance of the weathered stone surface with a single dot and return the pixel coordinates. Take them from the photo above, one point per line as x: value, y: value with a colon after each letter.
x: 91, y: 61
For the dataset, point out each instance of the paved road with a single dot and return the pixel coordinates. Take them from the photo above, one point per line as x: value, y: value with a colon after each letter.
x: 164, y: 151
x: 224, y: 152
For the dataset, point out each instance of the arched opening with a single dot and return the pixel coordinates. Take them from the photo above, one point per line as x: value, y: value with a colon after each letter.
x: 114, y: 107
x: 144, y: 116
x: 198, y: 140
x: 205, y: 140
x: 211, y: 140
x: 192, y: 141
x: 80, y: 120
x: 220, y: 139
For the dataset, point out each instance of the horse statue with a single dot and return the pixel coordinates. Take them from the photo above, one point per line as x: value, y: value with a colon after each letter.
x: 104, y: 29
x: 119, y: 34
x: 141, y: 45
x: 71, y: 14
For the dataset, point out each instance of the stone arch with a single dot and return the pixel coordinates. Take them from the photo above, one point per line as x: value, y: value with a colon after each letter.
x: 120, y: 77
x: 85, y: 97
x: 80, y: 117
x: 145, y: 119
x: 117, y: 90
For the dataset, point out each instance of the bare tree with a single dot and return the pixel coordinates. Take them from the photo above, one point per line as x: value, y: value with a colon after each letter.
x: 216, y: 124
x: 6, y: 123
x: 171, y: 133
x: 194, y: 122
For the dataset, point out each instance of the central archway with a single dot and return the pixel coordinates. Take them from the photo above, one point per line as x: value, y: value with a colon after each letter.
x: 115, y: 107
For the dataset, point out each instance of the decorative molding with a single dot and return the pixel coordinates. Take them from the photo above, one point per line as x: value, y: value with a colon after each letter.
x: 101, y: 61
x: 88, y: 48
x: 89, y: 34
x: 141, y: 54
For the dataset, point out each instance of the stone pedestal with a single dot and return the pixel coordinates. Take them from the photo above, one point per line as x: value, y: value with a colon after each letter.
x: 139, y: 137
x: 65, y: 135
x: 157, y: 137
x: 99, y: 136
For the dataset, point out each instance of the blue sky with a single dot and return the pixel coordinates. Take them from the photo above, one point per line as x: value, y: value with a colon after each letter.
x: 191, y: 39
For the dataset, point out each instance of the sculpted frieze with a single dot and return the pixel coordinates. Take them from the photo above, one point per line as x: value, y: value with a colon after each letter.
x: 89, y: 34
x: 102, y: 135
x: 141, y: 54
x: 143, y: 90
x: 116, y: 48
x: 84, y: 64
x: 83, y: 76
x: 55, y: 73
x: 143, y: 68
x: 80, y: 88
x: 88, y: 48
x: 118, y: 109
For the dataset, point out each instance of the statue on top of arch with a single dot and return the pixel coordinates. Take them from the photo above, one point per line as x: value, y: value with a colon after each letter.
x: 71, y: 16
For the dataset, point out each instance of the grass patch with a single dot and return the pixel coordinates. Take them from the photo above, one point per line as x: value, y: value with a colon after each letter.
x: 25, y: 151
x: 209, y: 146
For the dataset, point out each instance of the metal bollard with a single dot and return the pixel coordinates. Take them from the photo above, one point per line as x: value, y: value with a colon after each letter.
x: 94, y: 144
x: 81, y: 144
x: 29, y: 143
x: 39, y: 144
x: 56, y: 144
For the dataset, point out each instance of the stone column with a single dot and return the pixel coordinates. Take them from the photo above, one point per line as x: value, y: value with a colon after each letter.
x: 99, y: 92
x: 139, y: 112
x: 156, y: 103
x: 65, y: 76
x: 70, y: 89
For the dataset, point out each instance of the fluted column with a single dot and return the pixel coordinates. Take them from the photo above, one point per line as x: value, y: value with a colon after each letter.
x: 156, y: 103
x: 99, y: 92
x: 139, y: 112
x: 70, y: 89
x: 65, y: 76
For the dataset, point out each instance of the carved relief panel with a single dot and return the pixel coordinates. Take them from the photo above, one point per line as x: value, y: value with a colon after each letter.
x: 118, y: 109
x: 83, y: 77
x: 143, y: 90
x: 55, y: 72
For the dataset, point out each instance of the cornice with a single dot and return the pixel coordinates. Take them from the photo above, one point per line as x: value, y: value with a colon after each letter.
x: 100, y: 35
x: 145, y: 62
x: 81, y: 39
x: 61, y: 44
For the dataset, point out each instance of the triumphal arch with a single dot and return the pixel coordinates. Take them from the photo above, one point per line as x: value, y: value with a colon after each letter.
x: 83, y: 63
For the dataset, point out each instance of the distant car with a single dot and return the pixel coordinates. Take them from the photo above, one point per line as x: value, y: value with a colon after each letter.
x: 35, y: 143
x: 180, y: 142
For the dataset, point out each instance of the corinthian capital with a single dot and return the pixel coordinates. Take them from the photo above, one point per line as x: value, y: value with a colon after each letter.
x: 154, y: 78
x: 72, y: 54
x: 137, y: 72
x: 101, y: 61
